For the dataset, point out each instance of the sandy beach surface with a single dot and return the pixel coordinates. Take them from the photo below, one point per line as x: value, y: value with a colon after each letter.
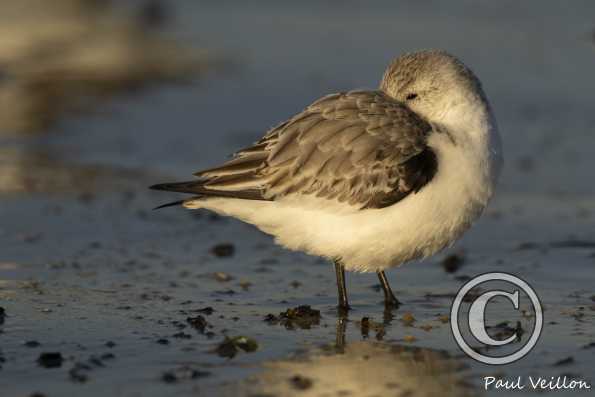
x: 103, y: 296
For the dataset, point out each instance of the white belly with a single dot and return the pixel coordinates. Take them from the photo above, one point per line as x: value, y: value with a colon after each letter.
x: 375, y: 239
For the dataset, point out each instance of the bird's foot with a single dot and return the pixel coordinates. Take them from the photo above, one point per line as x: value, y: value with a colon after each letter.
x: 343, y: 310
x: 391, y: 302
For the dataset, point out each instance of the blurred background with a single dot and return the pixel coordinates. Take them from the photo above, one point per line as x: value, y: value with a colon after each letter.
x: 100, y: 98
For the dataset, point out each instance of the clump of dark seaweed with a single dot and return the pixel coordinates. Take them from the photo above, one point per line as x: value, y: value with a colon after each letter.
x: 232, y: 345
x: 303, y: 317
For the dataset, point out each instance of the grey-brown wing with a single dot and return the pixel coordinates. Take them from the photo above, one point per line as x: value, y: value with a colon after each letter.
x: 360, y: 147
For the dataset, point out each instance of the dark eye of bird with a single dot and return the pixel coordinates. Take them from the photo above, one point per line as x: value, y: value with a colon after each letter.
x: 411, y: 96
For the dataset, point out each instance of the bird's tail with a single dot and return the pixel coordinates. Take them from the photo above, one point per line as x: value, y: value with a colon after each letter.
x: 172, y: 204
x: 197, y: 187
x: 180, y: 187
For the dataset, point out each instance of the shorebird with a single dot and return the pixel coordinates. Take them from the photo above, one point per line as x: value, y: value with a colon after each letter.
x: 368, y: 179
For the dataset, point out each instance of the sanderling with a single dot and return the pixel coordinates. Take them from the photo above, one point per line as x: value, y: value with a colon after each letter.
x: 368, y: 179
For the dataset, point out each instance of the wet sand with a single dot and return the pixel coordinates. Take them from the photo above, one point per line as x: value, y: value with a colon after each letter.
x: 123, y: 293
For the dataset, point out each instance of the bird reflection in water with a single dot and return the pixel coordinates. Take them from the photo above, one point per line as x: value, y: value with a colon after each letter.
x: 360, y: 368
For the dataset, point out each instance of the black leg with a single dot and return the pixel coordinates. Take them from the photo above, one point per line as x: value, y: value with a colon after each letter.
x: 340, y: 272
x: 389, y: 298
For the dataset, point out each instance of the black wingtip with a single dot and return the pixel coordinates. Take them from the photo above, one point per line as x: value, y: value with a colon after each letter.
x: 174, y: 203
x: 160, y: 186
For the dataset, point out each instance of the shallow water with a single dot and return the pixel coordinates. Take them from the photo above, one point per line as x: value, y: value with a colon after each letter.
x: 84, y: 261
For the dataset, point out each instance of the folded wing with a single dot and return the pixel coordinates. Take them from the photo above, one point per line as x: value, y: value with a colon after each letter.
x: 358, y: 147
